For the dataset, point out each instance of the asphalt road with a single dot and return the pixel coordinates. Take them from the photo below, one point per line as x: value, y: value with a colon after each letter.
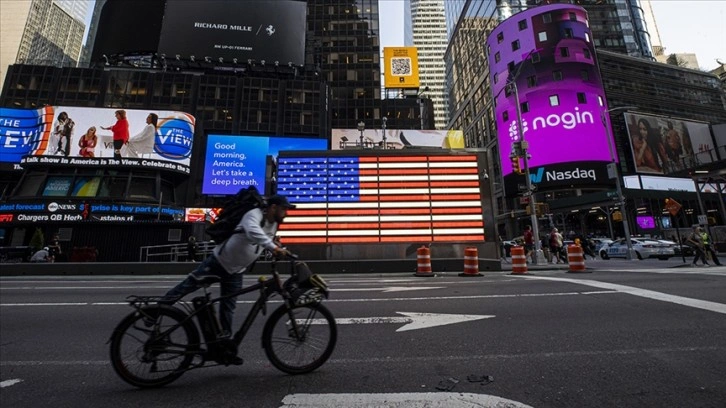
x: 627, y: 335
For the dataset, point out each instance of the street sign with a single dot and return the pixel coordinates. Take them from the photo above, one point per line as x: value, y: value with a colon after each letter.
x: 672, y: 206
x: 612, y: 171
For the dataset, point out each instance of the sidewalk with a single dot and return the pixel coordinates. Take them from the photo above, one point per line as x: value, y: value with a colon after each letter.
x: 592, y: 265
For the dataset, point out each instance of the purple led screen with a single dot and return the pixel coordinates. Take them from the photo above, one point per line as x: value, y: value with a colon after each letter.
x: 560, y: 92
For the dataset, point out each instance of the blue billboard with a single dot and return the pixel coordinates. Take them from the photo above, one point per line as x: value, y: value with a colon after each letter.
x: 235, y: 162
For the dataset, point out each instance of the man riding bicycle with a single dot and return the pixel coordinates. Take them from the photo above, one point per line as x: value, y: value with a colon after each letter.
x: 231, y: 258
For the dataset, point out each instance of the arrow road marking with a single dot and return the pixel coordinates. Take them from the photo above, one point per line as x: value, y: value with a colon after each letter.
x: 8, y: 383
x: 388, y: 289
x: 414, y: 321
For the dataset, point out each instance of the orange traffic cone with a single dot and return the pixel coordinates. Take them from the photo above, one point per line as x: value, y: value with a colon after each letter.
x: 471, y: 262
x: 519, y: 261
x: 575, y: 258
x: 423, y: 260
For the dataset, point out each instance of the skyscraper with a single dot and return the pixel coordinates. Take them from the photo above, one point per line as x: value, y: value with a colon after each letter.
x: 38, y: 32
x: 77, y: 9
x: 428, y: 35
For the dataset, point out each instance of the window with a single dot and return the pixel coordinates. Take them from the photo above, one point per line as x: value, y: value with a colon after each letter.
x: 522, y: 25
x: 586, y: 53
x: 496, y: 78
x: 497, y: 57
x: 500, y: 37
x: 568, y: 33
x: 510, y: 66
x: 587, y: 37
x: 542, y: 35
x: 535, y: 57
x: 532, y: 81
x: 515, y: 45
x: 599, y: 100
x: 505, y: 116
x: 554, y: 100
x: 547, y: 18
x: 584, y: 75
x: 573, y: 16
x: 581, y: 98
x: 557, y: 75
x: 524, y: 106
x: 565, y: 52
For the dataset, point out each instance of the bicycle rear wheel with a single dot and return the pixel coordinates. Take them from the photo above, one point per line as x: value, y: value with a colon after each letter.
x: 154, y: 346
x: 304, y: 346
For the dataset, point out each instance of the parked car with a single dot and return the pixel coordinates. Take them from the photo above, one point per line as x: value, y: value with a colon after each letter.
x: 508, y: 246
x: 601, y: 243
x: 643, y: 248
x: 679, y: 249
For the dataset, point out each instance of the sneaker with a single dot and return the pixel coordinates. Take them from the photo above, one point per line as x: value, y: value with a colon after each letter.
x: 236, y: 360
x: 706, y: 265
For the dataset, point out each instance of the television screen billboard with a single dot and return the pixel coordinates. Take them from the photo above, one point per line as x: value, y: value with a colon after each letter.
x: 235, y: 162
x: 662, y: 145
x: 548, y: 66
x: 645, y: 221
x: 342, y: 139
x: 74, y: 136
x: 233, y: 29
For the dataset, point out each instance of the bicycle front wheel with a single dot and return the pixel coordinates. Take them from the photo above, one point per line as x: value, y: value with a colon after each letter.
x: 301, y: 339
x: 153, y: 346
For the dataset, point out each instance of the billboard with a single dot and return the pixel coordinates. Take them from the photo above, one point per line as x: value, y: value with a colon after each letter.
x: 552, y: 63
x: 397, y: 138
x: 232, y: 29
x: 662, y: 145
x: 74, y: 136
x: 235, y: 162
x: 401, y: 67
x: 363, y: 198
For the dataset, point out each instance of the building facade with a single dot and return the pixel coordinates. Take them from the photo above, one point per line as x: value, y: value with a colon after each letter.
x: 428, y: 35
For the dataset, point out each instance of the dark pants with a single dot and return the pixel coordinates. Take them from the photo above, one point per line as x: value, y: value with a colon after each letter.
x: 699, y: 255
x: 117, y: 145
x: 231, y: 283
x: 709, y: 249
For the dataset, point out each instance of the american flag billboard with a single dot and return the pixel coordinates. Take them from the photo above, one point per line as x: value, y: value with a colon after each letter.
x: 381, y: 199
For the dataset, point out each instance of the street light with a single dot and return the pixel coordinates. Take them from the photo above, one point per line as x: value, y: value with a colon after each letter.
x: 525, y: 155
x: 613, y: 171
x: 361, y: 128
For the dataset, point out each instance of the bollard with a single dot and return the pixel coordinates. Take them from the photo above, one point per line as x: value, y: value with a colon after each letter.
x: 471, y: 262
x: 423, y: 261
x: 519, y: 261
x: 575, y: 258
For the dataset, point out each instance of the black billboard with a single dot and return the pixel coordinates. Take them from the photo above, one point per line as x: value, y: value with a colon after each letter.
x: 128, y: 26
x: 258, y: 30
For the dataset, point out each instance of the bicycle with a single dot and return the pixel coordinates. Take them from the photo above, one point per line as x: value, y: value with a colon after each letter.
x: 157, y: 343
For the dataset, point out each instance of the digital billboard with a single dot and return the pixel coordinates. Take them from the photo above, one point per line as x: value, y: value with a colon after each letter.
x: 547, y: 52
x: 662, y: 145
x: 235, y: 162
x: 364, y: 198
x: 401, y: 67
x: 397, y: 138
x: 233, y: 29
x: 75, y: 136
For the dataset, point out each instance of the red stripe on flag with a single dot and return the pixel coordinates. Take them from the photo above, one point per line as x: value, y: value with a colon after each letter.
x: 452, y: 158
x: 401, y: 184
x: 454, y: 184
x: 304, y: 240
x: 352, y: 225
x: 450, y: 238
x: 452, y: 197
x: 412, y: 238
x: 346, y: 240
x: 406, y: 159
x: 301, y: 225
x: 465, y: 210
x: 407, y: 225
x: 402, y: 211
x: 455, y: 170
x: 460, y: 224
x: 397, y: 172
x: 354, y: 212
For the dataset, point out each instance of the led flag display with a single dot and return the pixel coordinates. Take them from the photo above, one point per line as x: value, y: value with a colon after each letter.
x: 367, y: 199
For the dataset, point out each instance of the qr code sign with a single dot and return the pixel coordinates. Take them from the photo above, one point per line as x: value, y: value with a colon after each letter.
x: 401, y: 66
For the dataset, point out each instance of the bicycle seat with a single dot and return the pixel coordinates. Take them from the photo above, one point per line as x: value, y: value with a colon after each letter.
x: 207, y: 280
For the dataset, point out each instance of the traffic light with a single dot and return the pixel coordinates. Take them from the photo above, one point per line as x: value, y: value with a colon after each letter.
x: 516, y: 167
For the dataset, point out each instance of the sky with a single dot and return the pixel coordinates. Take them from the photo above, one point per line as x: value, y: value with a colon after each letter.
x: 685, y: 26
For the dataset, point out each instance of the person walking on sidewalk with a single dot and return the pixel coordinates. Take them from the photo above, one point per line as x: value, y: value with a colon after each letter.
x: 529, y: 244
x: 556, y: 243
x: 707, y: 249
x: 696, y: 242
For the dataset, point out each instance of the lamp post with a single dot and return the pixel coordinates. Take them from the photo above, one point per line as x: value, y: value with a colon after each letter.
x: 615, y: 172
x: 383, y: 126
x: 361, y: 128
x: 525, y: 156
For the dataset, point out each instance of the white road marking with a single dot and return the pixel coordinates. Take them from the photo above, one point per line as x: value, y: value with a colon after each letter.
x: 414, y: 321
x: 599, y: 292
x: 650, y: 294
x: 399, y: 400
x: 8, y: 383
x: 388, y: 289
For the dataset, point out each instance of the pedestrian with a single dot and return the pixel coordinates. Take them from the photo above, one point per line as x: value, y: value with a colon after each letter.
x: 556, y: 246
x: 232, y: 257
x: 42, y: 255
x: 696, y: 242
x: 529, y: 244
x: 192, y: 249
x: 120, y: 132
x: 707, y: 249
x: 545, y: 244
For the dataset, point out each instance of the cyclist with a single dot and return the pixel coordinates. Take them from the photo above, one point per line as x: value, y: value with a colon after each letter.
x: 235, y: 255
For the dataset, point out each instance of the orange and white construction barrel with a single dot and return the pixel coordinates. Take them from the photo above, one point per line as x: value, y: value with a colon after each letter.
x: 519, y: 261
x: 471, y: 262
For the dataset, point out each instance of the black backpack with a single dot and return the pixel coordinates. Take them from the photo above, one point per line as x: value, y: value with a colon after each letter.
x: 232, y: 212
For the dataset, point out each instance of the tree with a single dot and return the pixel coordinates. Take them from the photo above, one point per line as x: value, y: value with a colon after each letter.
x: 37, y: 241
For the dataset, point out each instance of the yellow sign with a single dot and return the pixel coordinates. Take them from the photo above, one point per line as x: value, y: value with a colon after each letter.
x: 401, y: 67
